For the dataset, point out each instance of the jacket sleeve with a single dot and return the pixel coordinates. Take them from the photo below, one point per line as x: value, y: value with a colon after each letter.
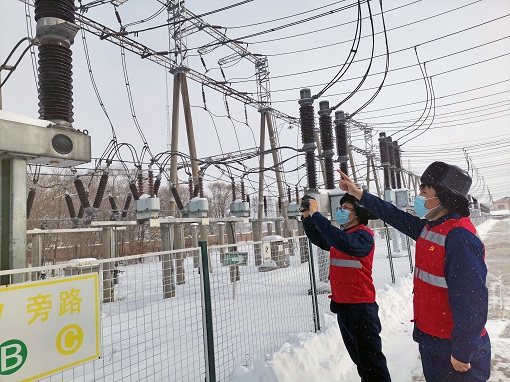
x: 313, y: 234
x: 356, y: 243
x: 465, y: 273
x: 404, y: 222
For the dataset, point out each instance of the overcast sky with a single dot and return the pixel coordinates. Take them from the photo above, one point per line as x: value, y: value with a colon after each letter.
x: 469, y: 64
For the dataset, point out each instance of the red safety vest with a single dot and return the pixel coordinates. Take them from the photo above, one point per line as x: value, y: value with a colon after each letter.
x: 350, y: 276
x: 432, y: 312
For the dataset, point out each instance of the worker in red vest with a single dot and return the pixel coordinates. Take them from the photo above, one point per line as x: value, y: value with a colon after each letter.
x: 351, y: 249
x: 450, y: 292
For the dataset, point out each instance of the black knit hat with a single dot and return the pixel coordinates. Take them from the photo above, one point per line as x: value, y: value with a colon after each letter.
x: 361, y: 212
x: 450, y: 177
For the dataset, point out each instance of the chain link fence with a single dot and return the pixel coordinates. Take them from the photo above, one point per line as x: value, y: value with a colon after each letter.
x: 195, y: 314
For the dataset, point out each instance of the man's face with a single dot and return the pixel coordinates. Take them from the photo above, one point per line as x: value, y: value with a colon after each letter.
x: 430, y: 194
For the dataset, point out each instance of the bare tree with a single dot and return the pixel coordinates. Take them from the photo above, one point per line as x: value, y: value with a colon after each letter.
x: 220, y: 199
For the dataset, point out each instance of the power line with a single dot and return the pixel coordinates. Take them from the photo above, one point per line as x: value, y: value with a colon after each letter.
x: 417, y: 79
x: 391, y: 29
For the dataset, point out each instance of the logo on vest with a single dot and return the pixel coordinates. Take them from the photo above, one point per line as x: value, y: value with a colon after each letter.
x: 431, y: 248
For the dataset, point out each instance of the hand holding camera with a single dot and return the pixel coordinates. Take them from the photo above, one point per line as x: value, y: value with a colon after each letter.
x: 308, y: 206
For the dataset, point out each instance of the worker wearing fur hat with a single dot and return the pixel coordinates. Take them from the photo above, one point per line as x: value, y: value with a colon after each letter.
x: 351, y: 249
x: 450, y: 294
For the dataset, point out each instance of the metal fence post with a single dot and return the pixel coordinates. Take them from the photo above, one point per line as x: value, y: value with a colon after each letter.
x: 194, y: 243
x: 37, y: 246
x: 221, y: 241
x: 179, y: 260
x: 313, y: 289
x: 302, y: 243
x: 390, y: 255
x: 235, y: 275
x: 256, y: 230
x: 106, y: 249
x: 408, y: 244
x: 167, y: 262
x: 205, y: 287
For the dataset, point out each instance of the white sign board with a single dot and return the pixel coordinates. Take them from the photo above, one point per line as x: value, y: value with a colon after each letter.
x: 48, y: 326
x: 266, y: 251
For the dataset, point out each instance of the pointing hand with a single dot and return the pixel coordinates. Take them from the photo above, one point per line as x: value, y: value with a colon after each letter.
x: 347, y: 185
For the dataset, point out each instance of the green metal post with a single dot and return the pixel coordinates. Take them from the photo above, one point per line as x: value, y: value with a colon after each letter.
x: 205, y: 287
x: 315, y: 304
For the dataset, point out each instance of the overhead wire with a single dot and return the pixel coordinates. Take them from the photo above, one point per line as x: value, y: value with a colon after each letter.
x: 351, y: 94
x: 386, y: 69
x: 12, y: 68
x: 350, y: 57
x: 316, y: 30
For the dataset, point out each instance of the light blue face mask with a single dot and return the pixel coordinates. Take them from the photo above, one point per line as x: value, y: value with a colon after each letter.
x: 419, y: 205
x: 342, y: 216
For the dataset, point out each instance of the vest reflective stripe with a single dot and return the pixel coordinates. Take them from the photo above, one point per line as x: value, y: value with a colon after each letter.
x: 430, y: 278
x: 346, y: 263
x: 433, y: 237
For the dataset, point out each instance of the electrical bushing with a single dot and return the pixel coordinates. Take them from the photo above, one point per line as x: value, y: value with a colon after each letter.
x: 55, y: 32
x: 341, y: 140
x: 398, y: 163
x: 385, y: 159
x: 326, y: 131
x: 307, y: 135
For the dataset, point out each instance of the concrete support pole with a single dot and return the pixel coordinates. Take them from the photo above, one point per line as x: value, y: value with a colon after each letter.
x: 260, y: 209
x: 179, y: 259
x: 303, y: 243
x: 269, y: 228
x: 167, y: 262
x: 231, y: 238
x: 256, y: 228
x: 13, y: 221
x: 221, y: 241
x: 37, y: 247
x: 279, y: 182
x: 194, y: 243
x: 189, y: 128
x: 175, y: 138
x: 278, y: 228
x: 108, y: 252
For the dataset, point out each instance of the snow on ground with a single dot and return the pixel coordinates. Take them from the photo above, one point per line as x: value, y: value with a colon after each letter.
x: 318, y: 357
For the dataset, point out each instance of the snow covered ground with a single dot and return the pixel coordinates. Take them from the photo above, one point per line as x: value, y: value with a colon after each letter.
x: 318, y: 357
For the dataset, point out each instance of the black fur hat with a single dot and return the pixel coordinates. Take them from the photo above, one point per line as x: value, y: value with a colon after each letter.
x: 452, y: 201
x: 450, y: 177
x: 361, y: 212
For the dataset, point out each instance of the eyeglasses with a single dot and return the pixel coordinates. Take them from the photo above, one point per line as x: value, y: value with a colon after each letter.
x: 345, y: 209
